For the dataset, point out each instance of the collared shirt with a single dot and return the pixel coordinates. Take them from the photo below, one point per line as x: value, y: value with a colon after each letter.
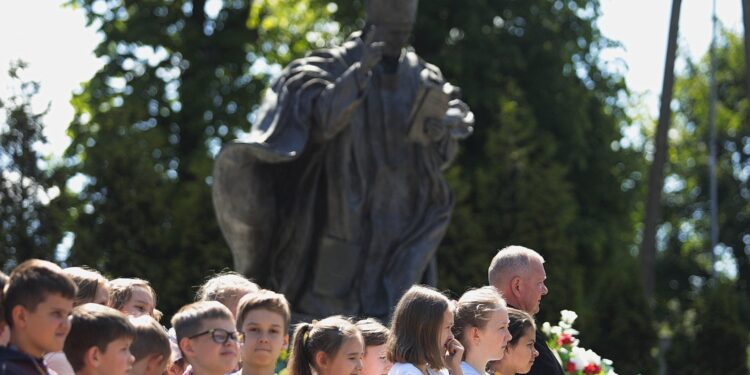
x: 468, y: 370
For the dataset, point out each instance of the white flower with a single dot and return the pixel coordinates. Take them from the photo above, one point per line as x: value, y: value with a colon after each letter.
x: 571, y: 331
x: 546, y: 328
x: 568, y: 316
x: 556, y: 330
x: 578, y: 358
x: 594, y: 358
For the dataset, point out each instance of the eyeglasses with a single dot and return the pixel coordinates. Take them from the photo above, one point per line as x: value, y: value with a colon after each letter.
x: 219, y: 335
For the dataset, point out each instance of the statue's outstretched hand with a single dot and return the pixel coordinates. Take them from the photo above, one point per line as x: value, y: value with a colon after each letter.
x: 458, y: 122
x: 459, y: 119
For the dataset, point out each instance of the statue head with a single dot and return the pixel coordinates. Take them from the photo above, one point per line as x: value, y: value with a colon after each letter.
x: 393, y: 21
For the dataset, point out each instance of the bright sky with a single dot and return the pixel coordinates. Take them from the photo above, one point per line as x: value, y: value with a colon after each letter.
x: 58, y: 47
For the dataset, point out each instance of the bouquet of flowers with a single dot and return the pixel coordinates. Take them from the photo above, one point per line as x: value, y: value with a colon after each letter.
x: 575, y: 359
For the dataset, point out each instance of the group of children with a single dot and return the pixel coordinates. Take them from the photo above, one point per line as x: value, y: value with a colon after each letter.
x: 75, y: 321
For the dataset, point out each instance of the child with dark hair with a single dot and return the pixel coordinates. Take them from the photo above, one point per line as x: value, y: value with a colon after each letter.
x: 150, y: 347
x: 37, y: 302
x: 376, y: 336
x: 332, y: 346
x: 520, y: 352
x: 263, y: 318
x: 99, y: 341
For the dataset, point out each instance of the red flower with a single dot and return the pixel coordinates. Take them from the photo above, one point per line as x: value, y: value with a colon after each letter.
x: 570, y: 367
x: 565, y: 339
x: 592, y: 369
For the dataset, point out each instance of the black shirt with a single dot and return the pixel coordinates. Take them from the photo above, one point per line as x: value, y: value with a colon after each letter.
x: 546, y: 363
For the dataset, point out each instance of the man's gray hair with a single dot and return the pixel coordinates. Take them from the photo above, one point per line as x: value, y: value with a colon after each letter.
x: 511, y: 261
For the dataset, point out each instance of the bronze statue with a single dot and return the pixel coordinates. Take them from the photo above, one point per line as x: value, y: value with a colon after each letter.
x: 337, y: 198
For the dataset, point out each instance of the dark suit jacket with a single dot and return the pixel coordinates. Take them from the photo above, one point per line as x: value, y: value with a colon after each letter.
x: 546, y: 363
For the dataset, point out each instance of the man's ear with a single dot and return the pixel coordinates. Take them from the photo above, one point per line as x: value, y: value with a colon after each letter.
x: 286, y: 342
x: 515, y: 286
x: 321, y: 359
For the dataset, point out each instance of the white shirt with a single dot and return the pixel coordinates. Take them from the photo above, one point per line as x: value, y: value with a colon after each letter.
x: 402, y: 368
x: 468, y: 370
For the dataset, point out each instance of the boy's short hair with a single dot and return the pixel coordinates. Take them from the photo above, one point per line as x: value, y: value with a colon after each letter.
x: 94, y: 325
x: 189, y: 320
x: 121, y: 290
x: 87, y: 281
x: 31, y: 282
x: 3, y: 282
x: 373, y: 332
x: 224, y: 286
x: 264, y: 299
x: 150, y: 338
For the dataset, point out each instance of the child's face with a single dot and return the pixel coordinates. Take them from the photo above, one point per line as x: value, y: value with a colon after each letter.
x: 141, y: 302
x: 375, y: 361
x: 520, y: 358
x: 495, y: 336
x: 446, y: 335
x: 47, y: 326
x: 265, y: 337
x: 116, y: 359
x: 347, y: 361
x: 209, y: 356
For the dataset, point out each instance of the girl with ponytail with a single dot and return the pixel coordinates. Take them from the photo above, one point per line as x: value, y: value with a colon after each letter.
x: 482, y: 328
x: 332, y: 346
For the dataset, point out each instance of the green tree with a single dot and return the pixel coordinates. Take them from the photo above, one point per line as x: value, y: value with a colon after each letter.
x: 31, y: 224
x: 180, y: 78
x: 689, y: 279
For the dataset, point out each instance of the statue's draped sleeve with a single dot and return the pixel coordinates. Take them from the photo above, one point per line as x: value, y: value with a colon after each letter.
x: 312, y: 101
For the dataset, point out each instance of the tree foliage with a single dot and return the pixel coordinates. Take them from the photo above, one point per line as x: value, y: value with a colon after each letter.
x: 31, y: 222
x: 706, y: 291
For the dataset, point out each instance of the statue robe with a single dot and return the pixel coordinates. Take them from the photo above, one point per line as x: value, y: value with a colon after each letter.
x: 329, y: 200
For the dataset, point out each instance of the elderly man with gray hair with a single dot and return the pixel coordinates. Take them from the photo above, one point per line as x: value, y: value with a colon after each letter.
x: 518, y: 273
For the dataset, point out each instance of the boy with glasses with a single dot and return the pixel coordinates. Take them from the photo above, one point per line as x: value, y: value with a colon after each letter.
x: 207, y: 338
